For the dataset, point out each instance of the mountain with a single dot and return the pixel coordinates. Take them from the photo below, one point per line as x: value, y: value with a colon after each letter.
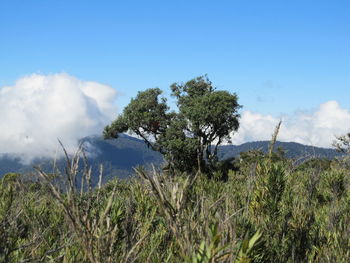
x: 291, y: 149
x: 119, y: 156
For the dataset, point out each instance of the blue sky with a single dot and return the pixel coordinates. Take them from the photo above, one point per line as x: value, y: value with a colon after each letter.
x: 279, y: 56
x: 286, y: 60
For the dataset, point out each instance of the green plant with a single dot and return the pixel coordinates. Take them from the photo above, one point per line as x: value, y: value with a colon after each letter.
x: 188, y: 138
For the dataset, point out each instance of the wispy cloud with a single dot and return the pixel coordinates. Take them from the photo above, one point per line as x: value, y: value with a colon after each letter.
x: 39, y: 109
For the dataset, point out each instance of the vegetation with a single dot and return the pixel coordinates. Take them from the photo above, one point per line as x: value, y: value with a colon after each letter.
x: 260, y: 207
x: 205, y: 117
x: 119, y: 156
x: 342, y: 143
x: 268, y: 210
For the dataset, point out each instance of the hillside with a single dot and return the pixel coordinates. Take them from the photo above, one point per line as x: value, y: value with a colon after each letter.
x: 291, y: 149
x: 119, y: 156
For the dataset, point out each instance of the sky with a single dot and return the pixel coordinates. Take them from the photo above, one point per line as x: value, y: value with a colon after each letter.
x: 286, y: 60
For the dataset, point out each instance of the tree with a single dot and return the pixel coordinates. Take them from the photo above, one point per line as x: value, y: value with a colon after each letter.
x: 342, y: 144
x: 147, y: 116
x: 187, y: 138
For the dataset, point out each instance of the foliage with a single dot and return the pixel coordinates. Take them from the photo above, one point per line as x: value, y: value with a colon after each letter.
x: 342, y: 143
x: 205, y: 118
x: 266, y: 211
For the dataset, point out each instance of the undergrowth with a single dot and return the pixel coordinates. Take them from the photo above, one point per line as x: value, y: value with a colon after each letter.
x: 267, y: 211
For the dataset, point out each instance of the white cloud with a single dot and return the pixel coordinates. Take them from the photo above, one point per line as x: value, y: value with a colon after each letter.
x: 39, y: 109
x: 317, y: 128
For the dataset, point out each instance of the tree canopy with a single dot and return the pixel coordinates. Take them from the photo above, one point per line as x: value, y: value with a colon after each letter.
x: 342, y: 143
x: 189, y: 137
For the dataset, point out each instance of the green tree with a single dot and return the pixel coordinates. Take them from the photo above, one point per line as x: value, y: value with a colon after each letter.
x: 187, y: 138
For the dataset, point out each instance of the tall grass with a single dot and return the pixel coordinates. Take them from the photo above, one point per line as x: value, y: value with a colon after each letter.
x: 267, y: 211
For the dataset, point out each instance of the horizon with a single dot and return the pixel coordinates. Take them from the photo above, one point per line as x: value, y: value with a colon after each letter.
x: 97, y: 153
x: 68, y: 68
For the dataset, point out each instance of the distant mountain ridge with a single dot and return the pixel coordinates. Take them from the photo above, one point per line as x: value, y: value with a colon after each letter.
x: 119, y: 156
x: 292, y: 150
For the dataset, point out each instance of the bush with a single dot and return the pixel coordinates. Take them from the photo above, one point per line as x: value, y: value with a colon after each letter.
x: 267, y: 211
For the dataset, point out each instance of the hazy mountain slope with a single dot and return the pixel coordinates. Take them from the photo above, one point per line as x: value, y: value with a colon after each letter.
x: 119, y: 156
x: 292, y: 150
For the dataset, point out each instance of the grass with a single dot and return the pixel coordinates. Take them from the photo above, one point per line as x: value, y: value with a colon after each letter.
x: 267, y: 211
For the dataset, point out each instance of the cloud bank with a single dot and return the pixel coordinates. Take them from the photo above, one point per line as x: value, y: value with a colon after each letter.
x: 39, y: 109
x: 317, y: 128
